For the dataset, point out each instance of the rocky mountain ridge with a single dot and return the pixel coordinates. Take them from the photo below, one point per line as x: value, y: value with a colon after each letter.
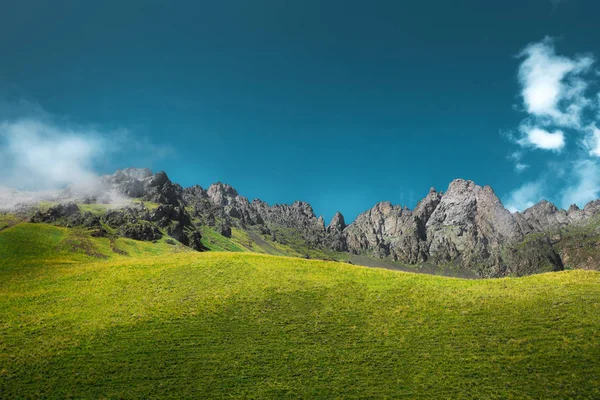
x: 467, y: 227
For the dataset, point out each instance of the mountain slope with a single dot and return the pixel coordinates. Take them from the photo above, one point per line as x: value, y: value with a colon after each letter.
x: 215, y: 325
x: 466, y: 230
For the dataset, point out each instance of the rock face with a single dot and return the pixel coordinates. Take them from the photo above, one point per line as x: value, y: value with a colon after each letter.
x: 140, y: 230
x: 220, y: 206
x: 394, y: 231
x: 387, y: 230
x: 129, y: 182
x: 222, y: 203
x: 425, y: 208
x: 298, y: 217
x: 68, y: 212
x: 221, y: 194
x: 335, y: 233
x: 141, y: 183
x: 135, y: 221
x: 467, y: 227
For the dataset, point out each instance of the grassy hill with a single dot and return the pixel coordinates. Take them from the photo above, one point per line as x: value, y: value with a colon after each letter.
x: 91, y: 317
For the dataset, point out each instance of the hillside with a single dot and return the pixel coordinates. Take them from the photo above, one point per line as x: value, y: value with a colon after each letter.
x: 90, y: 317
x: 465, y: 231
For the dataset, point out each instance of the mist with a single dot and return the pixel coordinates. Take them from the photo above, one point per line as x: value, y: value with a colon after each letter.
x: 41, y: 161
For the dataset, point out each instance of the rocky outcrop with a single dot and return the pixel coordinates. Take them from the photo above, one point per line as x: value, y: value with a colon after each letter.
x: 193, y: 194
x: 136, y: 221
x: 281, y: 219
x: 67, y: 211
x: 171, y: 215
x: 225, y: 207
x: 545, y: 216
x: 222, y: 194
x: 129, y: 182
x: 425, y: 208
x: 387, y: 231
x: 141, y: 183
x: 68, y: 215
x: 222, y: 202
x: 335, y: 233
x: 468, y: 228
x: 177, y: 223
x: 393, y: 231
x: 337, y: 224
x: 534, y: 254
x: 140, y: 230
x: 159, y: 189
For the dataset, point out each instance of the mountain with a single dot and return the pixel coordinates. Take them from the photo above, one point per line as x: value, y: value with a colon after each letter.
x: 465, y: 230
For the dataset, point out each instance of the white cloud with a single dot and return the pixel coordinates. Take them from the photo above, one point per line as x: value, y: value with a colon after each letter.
x: 517, y: 156
x: 40, y: 159
x: 524, y: 197
x: 553, y: 87
x: 43, y: 157
x: 592, y: 141
x: 560, y: 96
x: 38, y: 155
x: 542, y: 139
x: 40, y: 151
x: 580, y: 182
x: 586, y: 184
x: 519, y: 167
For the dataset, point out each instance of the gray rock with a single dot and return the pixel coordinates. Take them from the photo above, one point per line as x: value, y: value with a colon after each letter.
x: 335, y: 233
x: 468, y: 228
x: 337, y: 224
x: 66, y: 214
x: 387, y: 230
x: 140, y: 230
x: 224, y: 229
x: 221, y: 194
x: 193, y: 195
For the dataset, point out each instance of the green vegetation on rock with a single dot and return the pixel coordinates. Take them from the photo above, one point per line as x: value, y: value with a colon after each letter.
x: 214, y: 241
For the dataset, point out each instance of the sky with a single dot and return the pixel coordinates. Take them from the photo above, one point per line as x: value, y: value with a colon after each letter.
x: 338, y: 103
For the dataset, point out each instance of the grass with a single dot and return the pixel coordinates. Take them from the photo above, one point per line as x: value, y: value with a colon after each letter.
x: 148, y: 204
x: 96, y: 208
x: 214, y: 241
x: 249, y: 241
x: 27, y: 244
x: 8, y: 220
x: 162, y: 323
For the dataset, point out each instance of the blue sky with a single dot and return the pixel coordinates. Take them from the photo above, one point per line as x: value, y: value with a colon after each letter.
x: 338, y: 103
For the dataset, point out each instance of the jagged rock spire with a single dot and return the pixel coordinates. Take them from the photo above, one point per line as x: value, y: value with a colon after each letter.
x: 337, y: 223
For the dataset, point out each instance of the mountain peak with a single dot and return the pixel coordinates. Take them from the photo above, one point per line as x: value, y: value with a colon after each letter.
x: 133, y: 173
x: 221, y: 193
x: 337, y: 223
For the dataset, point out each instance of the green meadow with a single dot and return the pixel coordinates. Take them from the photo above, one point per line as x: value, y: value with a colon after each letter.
x: 84, y: 317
